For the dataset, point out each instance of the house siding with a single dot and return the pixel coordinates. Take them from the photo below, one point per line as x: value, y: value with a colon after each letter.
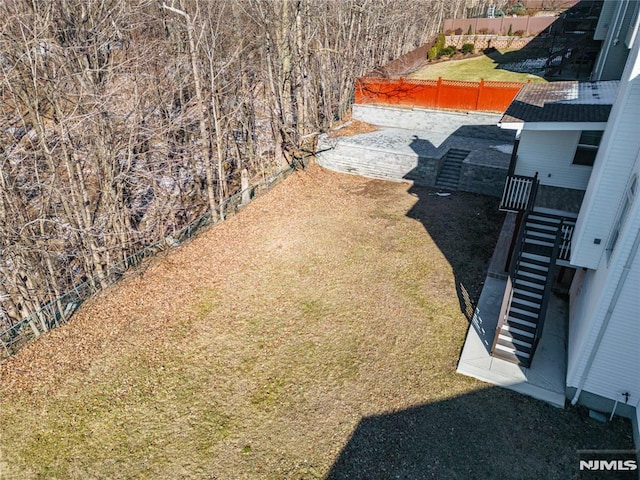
x: 615, y: 366
x: 587, y: 292
x: 611, y: 172
x: 550, y: 154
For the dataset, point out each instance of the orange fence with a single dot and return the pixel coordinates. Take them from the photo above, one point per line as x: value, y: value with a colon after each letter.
x: 439, y: 94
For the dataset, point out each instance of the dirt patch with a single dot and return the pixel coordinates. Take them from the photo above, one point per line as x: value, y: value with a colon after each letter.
x: 351, y: 128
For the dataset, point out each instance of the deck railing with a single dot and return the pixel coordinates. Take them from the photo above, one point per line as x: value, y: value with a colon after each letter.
x: 519, y: 193
x: 564, y: 249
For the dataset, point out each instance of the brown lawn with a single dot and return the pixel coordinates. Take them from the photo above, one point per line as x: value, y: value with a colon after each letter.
x: 315, y: 334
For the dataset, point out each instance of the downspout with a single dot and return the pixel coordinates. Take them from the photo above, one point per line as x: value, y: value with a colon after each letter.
x: 514, y: 155
x: 607, y: 317
x: 616, y: 40
x: 597, y: 70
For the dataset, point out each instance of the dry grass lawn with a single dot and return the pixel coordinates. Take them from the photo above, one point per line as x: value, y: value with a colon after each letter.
x: 475, y: 69
x: 315, y: 334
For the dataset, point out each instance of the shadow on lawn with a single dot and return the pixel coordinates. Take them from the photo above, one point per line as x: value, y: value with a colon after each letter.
x: 464, y: 226
x: 565, y: 50
x: 489, y: 433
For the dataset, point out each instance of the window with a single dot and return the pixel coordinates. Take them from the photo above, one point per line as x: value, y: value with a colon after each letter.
x: 629, y: 194
x: 587, y: 147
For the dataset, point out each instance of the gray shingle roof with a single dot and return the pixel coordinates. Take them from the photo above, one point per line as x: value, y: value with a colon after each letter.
x: 562, y: 102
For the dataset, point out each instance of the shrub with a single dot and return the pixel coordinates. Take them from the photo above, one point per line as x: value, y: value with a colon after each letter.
x: 510, y: 32
x: 440, y: 42
x: 519, y: 33
x: 483, y: 31
x: 468, y: 48
x: 458, y: 31
x: 470, y: 31
x: 518, y: 9
x: 432, y: 54
x: 448, y: 32
x: 450, y: 50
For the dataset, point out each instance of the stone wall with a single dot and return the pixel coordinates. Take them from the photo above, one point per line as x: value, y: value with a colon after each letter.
x: 483, y: 179
x: 376, y: 163
x: 480, y: 42
x: 567, y: 199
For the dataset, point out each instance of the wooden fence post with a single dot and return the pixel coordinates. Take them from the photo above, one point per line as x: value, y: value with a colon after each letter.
x: 244, y: 185
x: 480, y: 86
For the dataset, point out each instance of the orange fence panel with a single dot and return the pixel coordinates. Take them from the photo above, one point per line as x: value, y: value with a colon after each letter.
x: 437, y: 94
x: 496, y: 96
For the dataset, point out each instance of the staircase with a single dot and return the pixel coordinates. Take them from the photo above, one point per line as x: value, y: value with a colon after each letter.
x: 449, y: 175
x: 522, y: 317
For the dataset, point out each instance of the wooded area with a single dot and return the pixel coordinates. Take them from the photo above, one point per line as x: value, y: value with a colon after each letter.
x: 122, y: 121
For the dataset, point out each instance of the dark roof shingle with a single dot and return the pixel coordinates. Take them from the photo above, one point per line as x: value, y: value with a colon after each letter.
x: 562, y: 102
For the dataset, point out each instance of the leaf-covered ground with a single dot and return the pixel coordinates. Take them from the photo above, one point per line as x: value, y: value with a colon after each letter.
x: 313, y: 335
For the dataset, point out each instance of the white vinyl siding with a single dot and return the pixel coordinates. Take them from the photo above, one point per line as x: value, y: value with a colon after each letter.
x: 586, y: 293
x: 550, y: 153
x: 611, y: 172
x: 615, y: 366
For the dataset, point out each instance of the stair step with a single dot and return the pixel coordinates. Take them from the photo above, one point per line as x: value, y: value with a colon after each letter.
x: 450, y: 170
x: 538, y: 239
x: 543, y: 232
x: 510, y: 329
x: 516, y: 341
x: 533, y: 310
x: 527, y: 297
x: 512, y: 351
x: 517, y: 318
x: 542, y: 224
x: 525, y: 280
x: 522, y: 332
x: 524, y: 287
x: 449, y: 176
x: 537, y: 249
x: 545, y: 227
x: 535, y: 258
x: 524, y: 362
x: 549, y: 213
x: 533, y: 303
x: 543, y: 219
x: 524, y: 266
x: 459, y: 151
x: 531, y: 277
x: 522, y: 313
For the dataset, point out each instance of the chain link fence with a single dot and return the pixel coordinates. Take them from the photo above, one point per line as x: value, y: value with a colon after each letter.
x: 60, y: 310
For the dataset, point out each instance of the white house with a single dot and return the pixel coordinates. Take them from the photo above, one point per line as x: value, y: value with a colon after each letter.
x: 573, y: 190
